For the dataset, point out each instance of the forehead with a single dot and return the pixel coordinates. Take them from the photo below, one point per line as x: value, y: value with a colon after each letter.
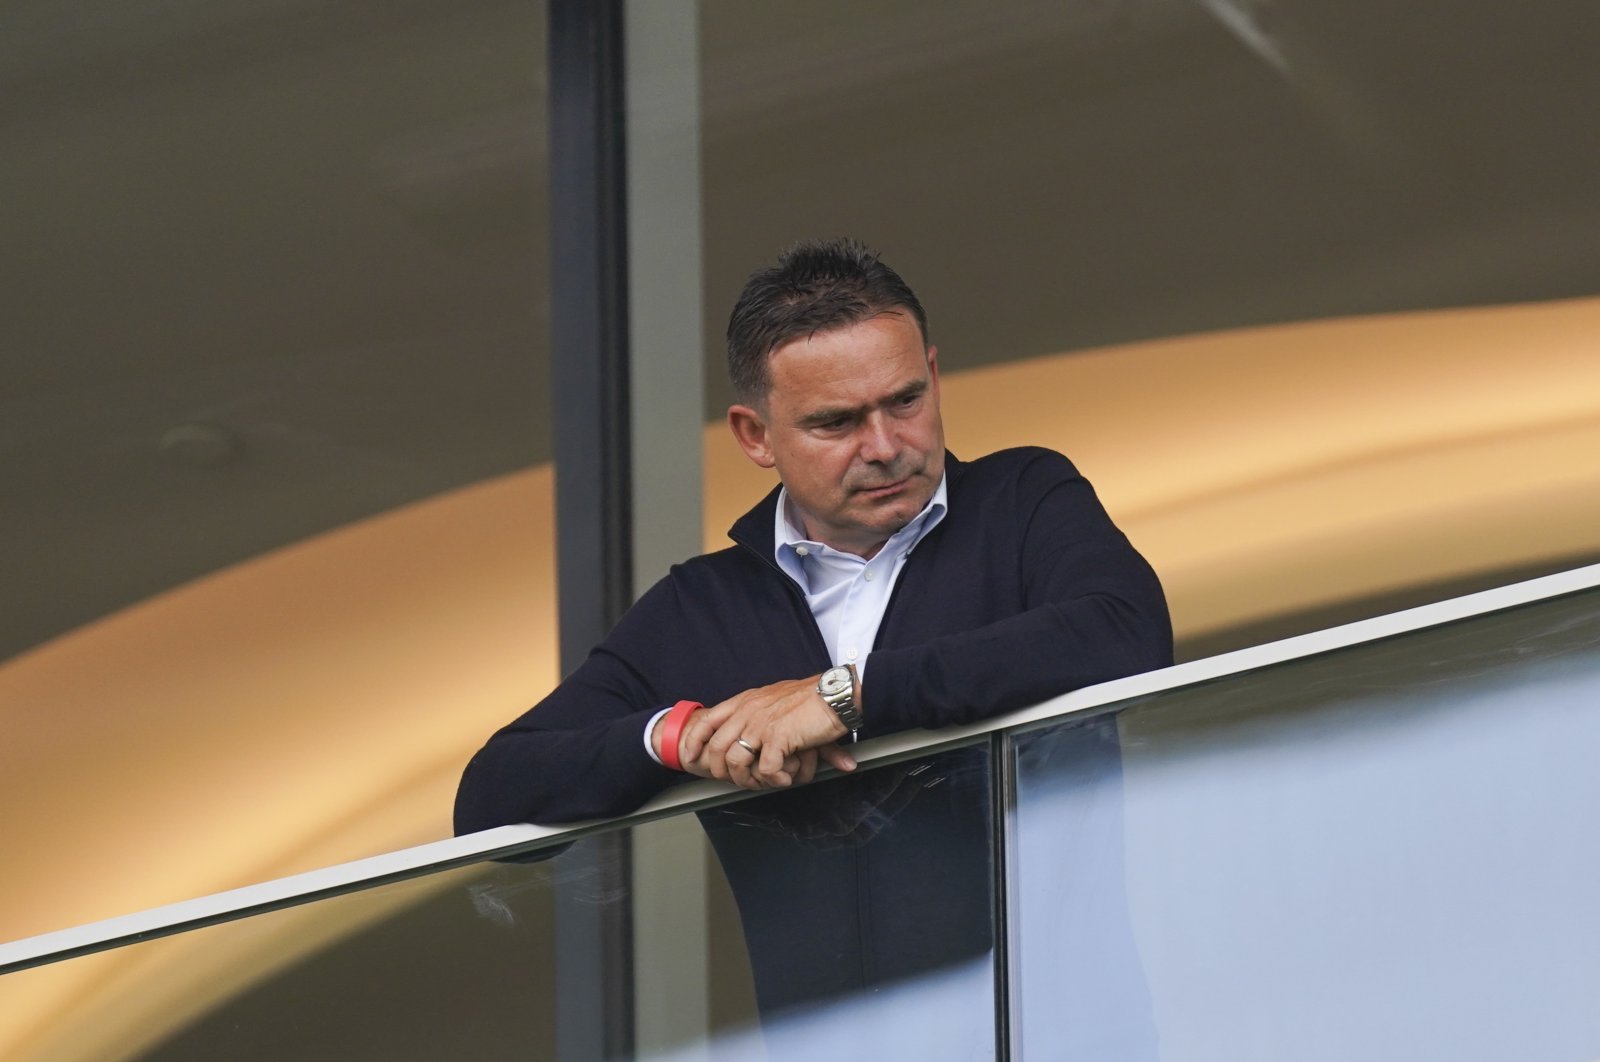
x: 862, y: 362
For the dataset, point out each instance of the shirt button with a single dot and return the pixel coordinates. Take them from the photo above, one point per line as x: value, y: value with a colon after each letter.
x: 868, y: 575
x: 801, y: 550
x: 852, y: 654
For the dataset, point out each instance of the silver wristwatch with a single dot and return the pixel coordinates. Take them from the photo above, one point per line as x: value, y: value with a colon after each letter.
x: 838, y: 689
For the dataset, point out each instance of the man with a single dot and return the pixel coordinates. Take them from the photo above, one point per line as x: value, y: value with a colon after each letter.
x: 884, y: 585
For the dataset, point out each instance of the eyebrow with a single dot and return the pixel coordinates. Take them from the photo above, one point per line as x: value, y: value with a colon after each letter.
x: 824, y: 416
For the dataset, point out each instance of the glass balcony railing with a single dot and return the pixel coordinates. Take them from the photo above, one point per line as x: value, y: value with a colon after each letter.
x: 1369, y: 843
x: 1380, y: 852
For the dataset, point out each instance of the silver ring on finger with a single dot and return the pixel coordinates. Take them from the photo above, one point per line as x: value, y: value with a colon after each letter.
x: 751, y: 749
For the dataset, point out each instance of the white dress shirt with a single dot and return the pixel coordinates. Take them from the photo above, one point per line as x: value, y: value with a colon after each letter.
x: 847, y: 594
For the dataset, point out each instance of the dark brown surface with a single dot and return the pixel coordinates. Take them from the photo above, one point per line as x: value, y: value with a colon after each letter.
x: 275, y: 267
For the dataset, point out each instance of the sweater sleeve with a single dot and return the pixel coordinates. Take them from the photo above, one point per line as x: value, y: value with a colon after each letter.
x: 1094, y: 611
x: 579, y: 753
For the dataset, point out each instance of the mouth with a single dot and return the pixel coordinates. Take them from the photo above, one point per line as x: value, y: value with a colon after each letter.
x: 888, y: 490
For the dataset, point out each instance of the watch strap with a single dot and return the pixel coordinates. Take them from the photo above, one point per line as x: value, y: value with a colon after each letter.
x: 843, y: 701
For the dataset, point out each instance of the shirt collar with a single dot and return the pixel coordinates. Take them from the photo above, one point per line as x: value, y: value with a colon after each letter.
x: 786, y: 537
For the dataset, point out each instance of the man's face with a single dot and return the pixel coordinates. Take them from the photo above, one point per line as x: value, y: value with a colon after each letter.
x: 852, y: 425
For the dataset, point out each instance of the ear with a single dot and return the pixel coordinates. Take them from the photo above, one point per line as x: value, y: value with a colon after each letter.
x: 750, y: 431
x: 933, y: 370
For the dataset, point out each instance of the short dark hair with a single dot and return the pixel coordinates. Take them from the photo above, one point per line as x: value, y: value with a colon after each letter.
x: 815, y: 286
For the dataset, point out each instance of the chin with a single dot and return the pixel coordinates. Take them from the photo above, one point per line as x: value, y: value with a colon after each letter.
x: 894, y: 519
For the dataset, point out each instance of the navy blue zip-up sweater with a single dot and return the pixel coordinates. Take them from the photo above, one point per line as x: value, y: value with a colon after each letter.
x: 1024, y: 591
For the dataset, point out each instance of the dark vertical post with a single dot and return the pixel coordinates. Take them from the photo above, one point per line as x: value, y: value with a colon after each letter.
x: 1002, y: 834
x: 589, y: 392
x: 589, y: 321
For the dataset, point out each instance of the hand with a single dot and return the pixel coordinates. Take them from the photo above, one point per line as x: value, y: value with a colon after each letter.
x: 783, y: 722
x: 803, y: 767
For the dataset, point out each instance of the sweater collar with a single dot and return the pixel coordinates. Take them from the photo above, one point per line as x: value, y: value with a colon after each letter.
x: 754, y: 528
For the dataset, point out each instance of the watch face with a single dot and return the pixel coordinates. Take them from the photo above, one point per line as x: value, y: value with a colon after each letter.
x: 835, y: 679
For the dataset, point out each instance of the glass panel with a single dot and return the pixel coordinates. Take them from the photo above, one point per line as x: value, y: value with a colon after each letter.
x: 867, y: 908
x: 1248, y: 231
x: 1383, y: 852
x: 276, y: 545
x: 863, y: 923
x: 1053, y: 176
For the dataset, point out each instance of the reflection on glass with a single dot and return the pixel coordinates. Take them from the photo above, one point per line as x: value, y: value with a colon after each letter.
x: 1094, y: 173
x: 863, y: 901
x: 866, y: 907
x: 274, y: 374
x: 1380, y: 853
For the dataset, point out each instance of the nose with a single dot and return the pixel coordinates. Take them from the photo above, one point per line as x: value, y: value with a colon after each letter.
x: 879, y: 445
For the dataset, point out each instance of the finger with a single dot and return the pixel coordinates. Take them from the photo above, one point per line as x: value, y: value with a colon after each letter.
x: 699, y: 765
x: 688, y: 749
x: 774, y: 762
x: 740, y: 764
x: 721, y: 713
x: 779, y: 777
x: 715, y: 736
x: 695, y: 765
x: 700, y: 726
x: 733, y: 772
x: 787, y: 775
x: 726, y: 764
x: 720, y: 738
x: 772, y: 757
x: 692, y: 742
x: 720, y: 744
x: 837, y: 757
x: 807, y: 768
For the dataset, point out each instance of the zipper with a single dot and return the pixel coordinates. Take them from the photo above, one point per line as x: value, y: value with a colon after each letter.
x: 798, y: 597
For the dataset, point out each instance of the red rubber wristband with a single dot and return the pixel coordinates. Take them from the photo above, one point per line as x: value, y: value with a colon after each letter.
x: 672, y: 730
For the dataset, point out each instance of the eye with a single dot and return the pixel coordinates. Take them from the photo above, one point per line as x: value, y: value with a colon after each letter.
x: 831, y: 426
